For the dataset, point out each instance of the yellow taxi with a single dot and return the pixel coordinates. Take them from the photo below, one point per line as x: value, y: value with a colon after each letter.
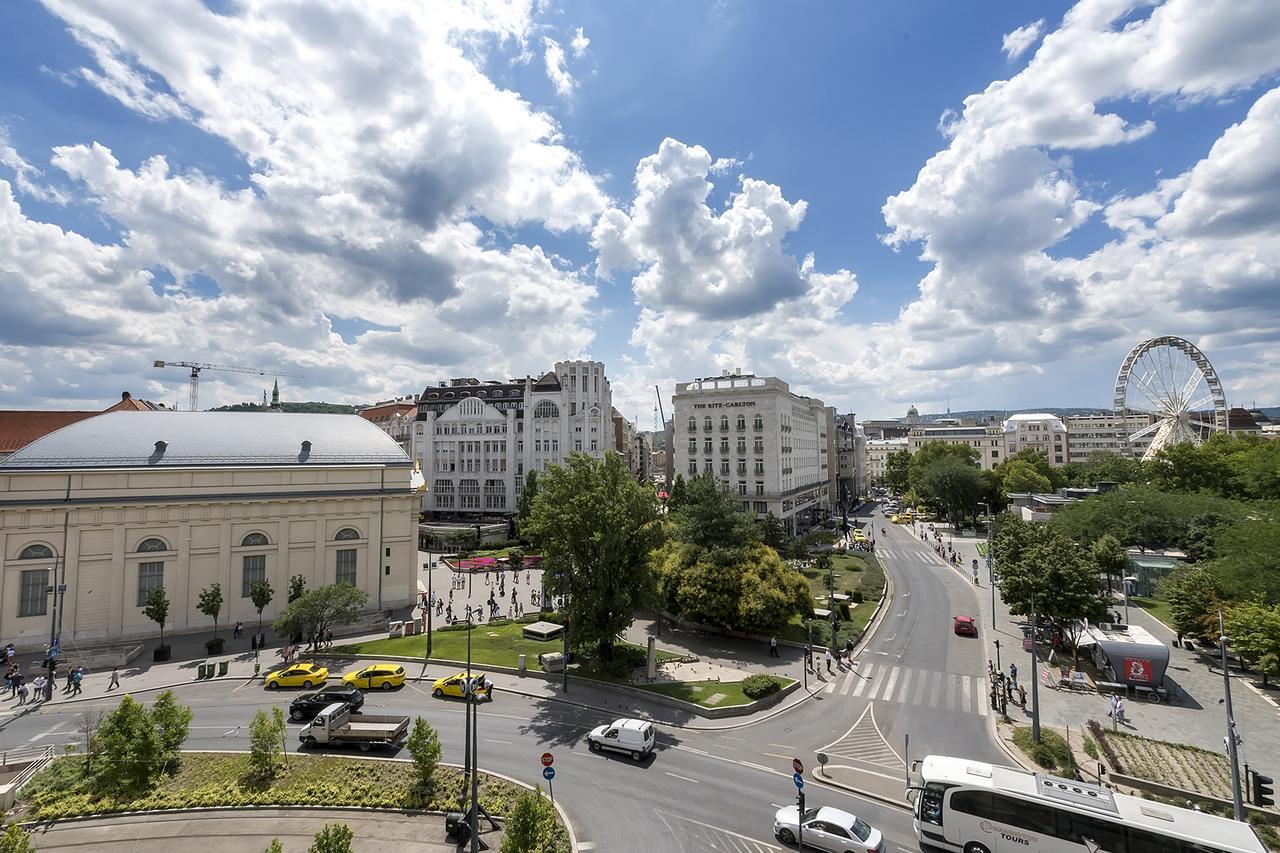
x: 304, y: 675
x: 455, y: 685
x: 376, y: 675
x: 859, y: 536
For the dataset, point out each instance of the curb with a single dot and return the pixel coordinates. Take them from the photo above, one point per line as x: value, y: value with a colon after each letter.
x: 573, y: 837
x: 131, y: 692
x: 871, y: 795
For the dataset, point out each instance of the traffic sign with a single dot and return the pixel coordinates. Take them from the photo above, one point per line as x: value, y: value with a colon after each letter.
x: 548, y: 773
x: 799, y: 780
x: 797, y: 765
x: 548, y: 759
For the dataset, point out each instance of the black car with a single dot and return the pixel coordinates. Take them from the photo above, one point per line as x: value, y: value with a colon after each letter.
x: 309, y: 704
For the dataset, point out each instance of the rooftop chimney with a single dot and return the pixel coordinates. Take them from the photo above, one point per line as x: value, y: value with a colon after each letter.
x: 124, y: 395
x: 161, y: 446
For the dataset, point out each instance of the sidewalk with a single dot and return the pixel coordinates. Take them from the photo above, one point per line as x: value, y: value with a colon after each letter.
x: 1198, y: 719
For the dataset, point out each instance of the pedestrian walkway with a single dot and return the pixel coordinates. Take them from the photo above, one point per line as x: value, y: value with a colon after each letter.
x: 901, y: 685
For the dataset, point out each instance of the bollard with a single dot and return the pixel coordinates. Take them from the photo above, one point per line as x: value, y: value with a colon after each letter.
x: 522, y: 664
x: 257, y: 668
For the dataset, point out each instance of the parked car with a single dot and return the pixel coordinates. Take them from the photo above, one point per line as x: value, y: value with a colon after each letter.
x: 309, y: 704
x: 306, y: 675
x: 377, y: 675
x: 633, y: 737
x: 455, y: 686
x: 827, y: 828
x: 965, y: 626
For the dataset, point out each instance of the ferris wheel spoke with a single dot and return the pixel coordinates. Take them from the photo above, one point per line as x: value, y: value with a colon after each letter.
x: 1195, y: 405
x: 1146, y: 430
x: 1167, y: 378
x: 1203, y: 424
x: 1152, y: 394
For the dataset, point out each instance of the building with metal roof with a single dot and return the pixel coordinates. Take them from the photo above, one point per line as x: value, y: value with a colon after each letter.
x: 118, y: 504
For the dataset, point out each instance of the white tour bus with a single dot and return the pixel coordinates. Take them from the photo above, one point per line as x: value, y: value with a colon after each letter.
x: 976, y: 807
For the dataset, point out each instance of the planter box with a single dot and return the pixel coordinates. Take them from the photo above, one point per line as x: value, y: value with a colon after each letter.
x: 160, y: 653
x: 214, y: 646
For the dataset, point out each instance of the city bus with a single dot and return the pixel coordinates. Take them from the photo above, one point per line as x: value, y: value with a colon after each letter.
x: 975, y: 807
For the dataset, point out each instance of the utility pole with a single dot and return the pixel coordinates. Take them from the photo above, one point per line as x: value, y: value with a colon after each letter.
x: 431, y: 605
x: 564, y: 606
x: 1223, y: 639
x: 1035, y: 677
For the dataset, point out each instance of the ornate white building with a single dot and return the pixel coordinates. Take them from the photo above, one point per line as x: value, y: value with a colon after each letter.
x: 477, y: 441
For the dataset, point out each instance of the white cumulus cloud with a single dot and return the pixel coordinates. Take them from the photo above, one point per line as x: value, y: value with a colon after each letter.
x: 580, y: 43
x: 557, y: 71
x: 1016, y: 43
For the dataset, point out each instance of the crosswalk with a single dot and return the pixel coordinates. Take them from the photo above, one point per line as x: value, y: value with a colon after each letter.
x: 950, y: 691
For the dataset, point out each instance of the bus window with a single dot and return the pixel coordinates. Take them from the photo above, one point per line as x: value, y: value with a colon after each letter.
x: 929, y: 805
x: 1101, y: 834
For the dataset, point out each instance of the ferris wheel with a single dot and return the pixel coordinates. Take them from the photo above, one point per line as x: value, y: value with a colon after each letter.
x: 1171, y: 380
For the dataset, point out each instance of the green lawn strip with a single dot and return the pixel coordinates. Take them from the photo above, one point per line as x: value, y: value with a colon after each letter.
x: 982, y: 549
x: 869, y: 580
x: 1157, y: 607
x: 491, y: 645
x: 698, y: 692
x: 206, y: 780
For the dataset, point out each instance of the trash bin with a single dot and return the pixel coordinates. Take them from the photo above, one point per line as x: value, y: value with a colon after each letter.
x: 395, y: 629
x: 522, y: 666
x: 222, y: 667
x: 456, y: 826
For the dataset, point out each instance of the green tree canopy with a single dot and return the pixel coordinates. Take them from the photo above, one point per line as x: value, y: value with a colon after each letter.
x: 773, y: 534
x: 261, y: 593
x: 932, y: 452
x: 676, y: 494
x: 157, y: 608
x: 1254, y: 629
x: 710, y: 516
x: 173, y: 723
x: 1109, y: 556
x: 952, y: 484
x: 332, y: 838
x: 1140, y: 515
x: 424, y: 747
x: 1017, y: 475
x: 524, y: 505
x: 1248, y: 559
x: 1194, y: 598
x: 751, y: 589
x: 210, y: 604
x: 129, y: 751
x: 596, y: 526
x: 317, y: 610
x: 896, y: 470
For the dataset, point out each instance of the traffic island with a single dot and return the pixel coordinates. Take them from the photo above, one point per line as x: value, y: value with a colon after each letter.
x: 227, y: 780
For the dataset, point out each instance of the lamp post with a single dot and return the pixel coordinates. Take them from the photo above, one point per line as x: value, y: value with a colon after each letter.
x: 1223, y: 639
x: 564, y: 605
x: 1035, y: 677
x: 431, y: 606
x: 991, y: 576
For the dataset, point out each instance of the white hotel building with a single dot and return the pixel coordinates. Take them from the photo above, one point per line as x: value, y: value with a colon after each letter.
x: 476, y: 441
x: 770, y: 445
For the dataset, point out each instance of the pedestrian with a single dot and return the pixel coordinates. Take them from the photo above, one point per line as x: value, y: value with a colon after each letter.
x: 773, y: 647
x: 238, y: 631
x: 828, y: 658
x: 991, y: 668
x: 1112, y: 711
x: 8, y: 677
x: 48, y: 685
x: 115, y: 679
x: 848, y: 649
x: 808, y: 658
x: 1120, y: 711
x: 448, y: 612
x: 76, y: 677
x: 328, y: 637
x: 1013, y: 673
x: 1022, y: 697
x: 22, y: 694
x: 19, y: 682
x: 37, y: 688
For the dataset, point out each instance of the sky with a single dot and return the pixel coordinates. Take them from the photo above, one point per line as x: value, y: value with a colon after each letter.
x: 973, y: 205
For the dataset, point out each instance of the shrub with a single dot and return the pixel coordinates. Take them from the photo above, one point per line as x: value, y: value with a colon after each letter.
x: 1101, y: 737
x: 844, y: 610
x: 266, y: 734
x: 857, y: 596
x: 424, y: 746
x: 532, y: 826
x: 1051, y: 752
x: 15, y: 840
x: 334, y: 838
x: 1090, y: 748
x: 760, y: 686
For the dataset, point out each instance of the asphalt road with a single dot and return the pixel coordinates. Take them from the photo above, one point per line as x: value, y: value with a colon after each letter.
x: 701, y: 789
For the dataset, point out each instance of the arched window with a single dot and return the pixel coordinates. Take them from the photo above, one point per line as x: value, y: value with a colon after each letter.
x: 759, y: 424
x: 693, y: 424
x: 149, y: 545
x: 36, y: 552
x: 346, y: 534
x: 724, y: 423
x: 742, y: 422
x: 546, y: 409
x: 254, y: 540
x: 706, y: 423
x: 434, y: 395
x: 448, y: 395
x: 482, y: 393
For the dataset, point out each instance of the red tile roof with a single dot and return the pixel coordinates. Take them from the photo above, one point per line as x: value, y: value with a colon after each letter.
x: 18, y: 429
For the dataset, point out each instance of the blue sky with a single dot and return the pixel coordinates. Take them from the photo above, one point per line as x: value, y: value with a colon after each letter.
x: 883, y: 203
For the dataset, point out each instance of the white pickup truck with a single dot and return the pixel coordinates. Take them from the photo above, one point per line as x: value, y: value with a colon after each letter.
x: 337, y: 726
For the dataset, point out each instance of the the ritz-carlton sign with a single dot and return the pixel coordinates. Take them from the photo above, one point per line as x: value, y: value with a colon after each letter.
x: 723, y: 405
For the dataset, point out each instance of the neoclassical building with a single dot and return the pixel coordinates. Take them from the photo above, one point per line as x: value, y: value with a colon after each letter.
x: 476, y: 441
x: 118, y: 504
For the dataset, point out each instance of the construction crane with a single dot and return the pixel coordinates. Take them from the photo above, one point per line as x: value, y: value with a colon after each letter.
x: 659, y: 411
x: 196, y: 368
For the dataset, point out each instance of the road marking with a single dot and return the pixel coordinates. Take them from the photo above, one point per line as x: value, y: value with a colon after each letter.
x: 491, y: 740
x: 775, y: 755
x: 888, y: 687
x: 830, y: 688
x: 685, y: 778
x: 968, y: 698
x: 590, y: 845
x: 731, y: 737
x: 920, y: 688
x: 906, y: 687
x: 847, y: 683
x: 935, y: 689
x: 865, y: 680
x: 782, y: 746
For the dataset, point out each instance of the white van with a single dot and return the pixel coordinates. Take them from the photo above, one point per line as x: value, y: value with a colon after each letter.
x: 634, y: 737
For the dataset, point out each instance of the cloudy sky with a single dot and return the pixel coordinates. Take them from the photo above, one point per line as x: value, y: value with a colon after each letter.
x: 885, y: 203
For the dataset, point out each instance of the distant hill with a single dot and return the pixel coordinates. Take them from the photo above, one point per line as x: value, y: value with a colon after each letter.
x: 312, y: 408
x: 1001, y: 414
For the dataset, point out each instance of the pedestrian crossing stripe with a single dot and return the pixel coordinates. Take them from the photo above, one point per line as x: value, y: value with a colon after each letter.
x: 902, y: 685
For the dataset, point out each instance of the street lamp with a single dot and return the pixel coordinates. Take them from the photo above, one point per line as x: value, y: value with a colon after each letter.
x: 1223, y: 639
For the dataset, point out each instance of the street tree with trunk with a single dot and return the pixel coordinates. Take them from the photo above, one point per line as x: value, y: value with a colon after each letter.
x: 596, y: 527
x: 1110, y: 557
x: 318, y: 610
x: 1254, y: 628
x: 1194, y: 598
x: 157, y: 609
x: 261, y: 593
x: 173, y: 724
x: 953, y: 485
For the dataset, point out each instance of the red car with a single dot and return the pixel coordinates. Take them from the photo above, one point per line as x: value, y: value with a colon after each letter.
x: 966, y: 627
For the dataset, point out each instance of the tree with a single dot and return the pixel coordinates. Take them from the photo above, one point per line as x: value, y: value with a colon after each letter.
x: 676, y: 495
x: 15, y: 839
x: 1061, y: 579
x: 596, y: 526
x: 172, y: 723
x: 524, y: 505
x: 210, y: 604
x: 1017, y: 475
x: 953, y: 484
x: 710, y: 516
x: 266, y: 743
x: 1192, y: 593
x: 157, y: 609
x: 1248, y: 559
x: 751, y: 589
x: 129, y: 750
x: 1106, y: 466
x: 261, y: 593
x: 424, y: 747
x: 1109, y: 557
x: 1187, y: 467
x: 317, y: 610
x: 532, y: 826
x: 896, y: 467
x: 274, y: 847
x: 297, y: 586
x: 333, y: 838
x: 773, y: 534
x: 1254, y: 629
x: 515, y: 559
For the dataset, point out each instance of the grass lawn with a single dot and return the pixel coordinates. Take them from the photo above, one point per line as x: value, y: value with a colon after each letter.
x: 1157, y: 607
x: 856, y: 572
x: 209, y: 779
x: 492, y: 645
x: 698, y: 692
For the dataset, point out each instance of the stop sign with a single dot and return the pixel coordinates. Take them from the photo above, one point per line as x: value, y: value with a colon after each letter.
x: 547, y: 759
x: 796, y: 765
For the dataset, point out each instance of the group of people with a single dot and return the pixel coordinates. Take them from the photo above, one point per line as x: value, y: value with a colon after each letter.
x: 492, y: 608
x: 42, y: 687
x: 833, y: 657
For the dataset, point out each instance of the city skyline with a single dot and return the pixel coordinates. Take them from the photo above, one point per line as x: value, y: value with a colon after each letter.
x: 883, y: 206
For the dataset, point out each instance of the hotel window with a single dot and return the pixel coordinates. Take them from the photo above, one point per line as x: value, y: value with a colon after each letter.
x: 254, y: 571
x: 742, y: 422
x: 759, y: 422
x: 742, y: 446
x: 724, y: 445
x: 761, y: 506
x: 759, y: 488
x: 693, y: 445
x: 33, y: 599
x: 693, y: 424
x: 708, y: 445
x: 706, y: 467
x: 724, y: 423
x: 742, y: 466
x: 742, y: 487
x: 693, y: 468
x: 150, y: 576
x: 706, y: 423
x: 759, y: 466
x: 758, y: 447
x: 724, y: 468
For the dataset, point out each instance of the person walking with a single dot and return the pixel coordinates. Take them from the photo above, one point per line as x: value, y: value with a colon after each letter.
x: 1022, y: 697
x: 22, y: 694
x: 238, y: 631
x: 37, y: 688
x: 773, y: 648
x: 1111, y: 712
x: 1013, y: 673
x: 1120, y: 711
x: 77, y: 676
x: 19, y: 683
x: 828, y: 658
x: 115, y: 679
